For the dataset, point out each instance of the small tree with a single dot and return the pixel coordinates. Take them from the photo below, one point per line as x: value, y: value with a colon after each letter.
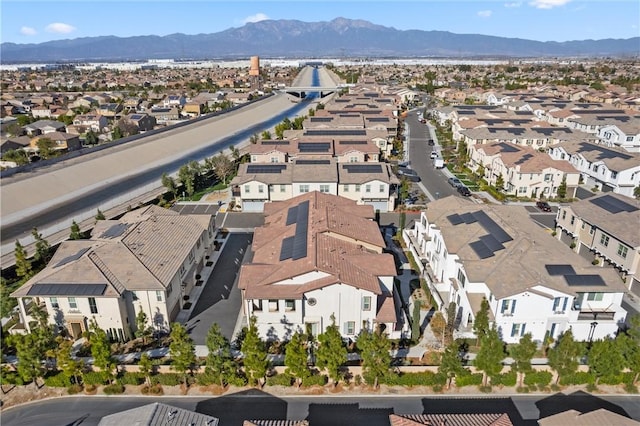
x: 75, y: 234
x: 43, y: 248
x: 255, y: 355
x: 451, y: 363
x: 415, y: 321
x: 219, y: 363
x: 481, y: 322
x: 562, y: 188
x: 630, y: 350
x: 438, y: 325
x: 374, y: 350
x: 70, y: 367
x: 490, y: 355
x: 170, y: 184
x: 522, y: 353
x: 100, y: 215
x: 187, y: 179
x: 142, y: 330
x: 223, y: 167
x: 563, y: 357
x: 101, y: 351
x: 452, y: 311
x: 605, y: 358
x: 331, y: 353
x: 146, y: 367
x: 30, y: 357
x: 90, y: 138
x: 254, y: 139
x: 266, y: 135
x: 23, y: 264
x: 295, y: 358
x: 181, y: 350
x: 500, y: 183
x: 45, y: 147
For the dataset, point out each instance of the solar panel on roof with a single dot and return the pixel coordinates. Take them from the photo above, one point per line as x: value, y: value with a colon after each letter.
x: 283, y: 142
x: 313, y: 162
x: 491, y: 227
x: 352, y: 142
x: 493, y: 244
x: 286, y: 249
x: 468, y: 218
x: 604, y: 153
x: 481, y: 249
x: 136, y: 117
x: 43, y: 289
x: 292, y: 214
x: 613, y: 205
x: 584, y: 280
x: 505, y: 147
x: 300, y: 238
x: 335, y: 132
x: 115, y: 230
x: 378, y: 119
x: 266, y: 168
x: 72, y: 257
x: 362, y: 168
x: 314, y: 147
x: 321, y: 119
x: 555, y: 270
x: 455, y: 219
x: 524, y: 159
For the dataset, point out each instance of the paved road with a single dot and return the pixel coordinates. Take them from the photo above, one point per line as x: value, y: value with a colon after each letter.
x: 320, y: 410
x: 220, y: 300
x: 434, y: 180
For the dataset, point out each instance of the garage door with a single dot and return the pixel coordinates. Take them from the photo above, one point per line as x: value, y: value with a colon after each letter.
x: 253, y: 206
x: 383, y: 206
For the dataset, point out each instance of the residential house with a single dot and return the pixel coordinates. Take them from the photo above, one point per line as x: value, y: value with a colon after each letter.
x: 372, y: 184
x: 165, y: 115
x: 173, y: 101
x: 602, y: 167
x: 157, y: 413
x: 110, y: 110
x: 143, y: 122
x: 62, y: 142
x: 85, y: 122
x: 524, y: 171
x: 42, y: 127
x: 193, y: 108
x: 146, y: 261
x: 533, y: 283
x: 13, y: 143
x: 625, y: 135
x: 604, y: 229
x: 320, y: 257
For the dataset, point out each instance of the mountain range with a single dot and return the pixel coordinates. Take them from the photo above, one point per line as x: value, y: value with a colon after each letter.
x: 296, y: 39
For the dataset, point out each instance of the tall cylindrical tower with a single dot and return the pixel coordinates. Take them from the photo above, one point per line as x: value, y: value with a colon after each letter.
x: 254, y: 68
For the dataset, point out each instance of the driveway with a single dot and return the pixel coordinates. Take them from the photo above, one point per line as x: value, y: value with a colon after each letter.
x: 220, y: 300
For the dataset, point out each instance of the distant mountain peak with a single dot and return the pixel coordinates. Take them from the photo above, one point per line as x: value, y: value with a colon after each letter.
x: 293, y: 38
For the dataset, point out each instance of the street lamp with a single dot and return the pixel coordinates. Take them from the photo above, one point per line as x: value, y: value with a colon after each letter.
x: 592, y: 332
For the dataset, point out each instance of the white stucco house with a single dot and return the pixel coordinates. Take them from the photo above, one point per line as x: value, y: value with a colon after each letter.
x: 533, y: 283
x: 317, y: 256
x: 146, y: 261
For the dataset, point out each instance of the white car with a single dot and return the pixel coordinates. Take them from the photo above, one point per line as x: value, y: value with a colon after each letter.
x: 434, y: 154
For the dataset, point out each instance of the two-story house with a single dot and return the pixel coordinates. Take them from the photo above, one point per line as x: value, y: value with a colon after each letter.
x: 605, y: 228
x: 532, y: 282
x: 146, y: 261
x: 316, y: 257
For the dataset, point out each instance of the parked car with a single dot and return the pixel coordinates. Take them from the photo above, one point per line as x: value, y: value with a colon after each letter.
x: 409, y: 174
x: 438, y: 163
x: 434, y: 154
x: 454, y: 181
x: 463, y: 190
x: 431, y: 142
x: 544, y: 206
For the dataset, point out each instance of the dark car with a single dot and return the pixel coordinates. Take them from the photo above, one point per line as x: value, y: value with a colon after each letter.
x: 544, y: 206
x: 430, y: 142
x: 409, y: 174
x: 463, y: 190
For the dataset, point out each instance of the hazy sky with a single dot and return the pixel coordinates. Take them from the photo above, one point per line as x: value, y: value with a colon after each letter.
x: 26, y: 21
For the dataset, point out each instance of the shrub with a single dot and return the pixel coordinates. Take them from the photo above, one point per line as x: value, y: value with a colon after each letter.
x: 591, y: 387
x: 236, y: 380
x: 437, y: 388
x: 167, y: 379
x: 357, y: 380
x: 130, y: 378
x: 485, y: 389
x: 94, y: 378
x: 317, y: 380
x: 90, y: 389
x: 541, y: 378
x: 522, y: 389
x: 469, y: 380
x: 9, y: 377
x: 152, y: 390
x: 506, y: 379
x: 114, y: 389
x: 630, y: 388
x: 74, y: 389
x: 58, y: 380
x: 612, y: 380
x: 424, y: 378
x: 283, y: 379
x: 577, y: 378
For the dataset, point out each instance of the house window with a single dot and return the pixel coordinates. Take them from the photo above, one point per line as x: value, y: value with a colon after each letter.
x: 350, y: 327
x: 614, y: 175
x: 273, y: 305
x: 92, y: 305
x: 134, y: 296
x: 54, y: 302
x: 247, y: 189
x: 324, y: 188
x: 274, y: 159
x: 548, y: 177
x: 522, y: 190
x: 592, y: 230
x: 282, y: 188
x: 304, y: 188
x: 461, y: 278
x: 158, y: 296
x: 257, y: 305
x: 604, y: 240
x: 622, y: 251
x: 345, y: 188
x: 381, y: 189
x: 366, y: 303
x: 72, y: 303
x: 261, y: 189
x: 353, y: 159
x: 594, y: 297
x: 357, y: 188
x: 508, y: 307
x: 518, y: 329
x: 367, y: 188
x: 560, y: 304
x: 573, y: 219
x: 289, y: 305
